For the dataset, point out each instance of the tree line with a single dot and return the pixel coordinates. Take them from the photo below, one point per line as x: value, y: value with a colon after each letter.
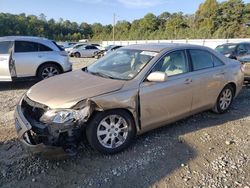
x: 213, y: 19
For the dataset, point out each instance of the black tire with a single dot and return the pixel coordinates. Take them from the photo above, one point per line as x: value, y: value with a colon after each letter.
x: 92, y: 128
x: 40, y: 72
x: 77, y: 55
x: 218, y: 106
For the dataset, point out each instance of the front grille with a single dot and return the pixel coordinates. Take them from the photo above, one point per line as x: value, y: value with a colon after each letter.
x: 32, y: 110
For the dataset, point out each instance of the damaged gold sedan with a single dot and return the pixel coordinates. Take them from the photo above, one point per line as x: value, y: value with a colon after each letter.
x: 128, y: 92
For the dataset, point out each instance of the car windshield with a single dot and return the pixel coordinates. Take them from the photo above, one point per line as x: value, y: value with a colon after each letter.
x: 226, y: 49
x: 123, y: 64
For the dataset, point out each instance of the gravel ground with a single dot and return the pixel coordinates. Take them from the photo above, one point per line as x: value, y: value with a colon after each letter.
x: 205, y: 150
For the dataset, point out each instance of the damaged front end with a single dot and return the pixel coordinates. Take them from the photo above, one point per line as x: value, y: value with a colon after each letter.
x: 41, y: 128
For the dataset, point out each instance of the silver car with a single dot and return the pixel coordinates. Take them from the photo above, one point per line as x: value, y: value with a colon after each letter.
x: 84, y: 51
x: 126, y: 93
x: 22, y: 57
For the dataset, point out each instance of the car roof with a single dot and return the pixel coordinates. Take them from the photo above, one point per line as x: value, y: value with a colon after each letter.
x: 12, y: 38
x: 227, y: 44
x: 158, y: 47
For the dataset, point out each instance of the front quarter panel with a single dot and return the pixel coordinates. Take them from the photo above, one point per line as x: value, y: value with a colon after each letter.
x: 128, y: 100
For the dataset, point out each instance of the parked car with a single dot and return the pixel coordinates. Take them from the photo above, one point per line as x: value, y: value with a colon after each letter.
x: 106, y: 50
x: 66, y: 45
x: 126, y: 93
x: 84, y: 51
x: 69, y: 49
x: 234, y: 50
x: 31, y: 57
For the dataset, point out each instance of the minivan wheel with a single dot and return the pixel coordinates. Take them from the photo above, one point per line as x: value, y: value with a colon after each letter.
x: 77, y: 54
x: 110, y: 132
x: 224, y: 100
x: 47, y: 71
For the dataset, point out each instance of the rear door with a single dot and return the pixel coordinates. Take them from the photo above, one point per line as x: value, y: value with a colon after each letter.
x: 27, y: 58
x: 5, y: 60
x: 209, y: 71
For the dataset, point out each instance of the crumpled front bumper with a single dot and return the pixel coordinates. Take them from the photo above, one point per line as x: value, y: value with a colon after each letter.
x: 23, y: 128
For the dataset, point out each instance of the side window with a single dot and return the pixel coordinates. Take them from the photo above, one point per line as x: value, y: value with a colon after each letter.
x: 173, y: 64
x: 5, y: 47
x: 43, y: 48
x: 217, y: 61
x: 24, y: 46
x: 201, y: 59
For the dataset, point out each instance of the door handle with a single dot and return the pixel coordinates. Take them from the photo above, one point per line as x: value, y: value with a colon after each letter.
x: 188, y: 81
x: 40, y: 56
x: 220, y: 74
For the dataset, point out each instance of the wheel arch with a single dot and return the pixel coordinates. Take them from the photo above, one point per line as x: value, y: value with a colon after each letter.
x: 120, y: 109
x: 49, y: 62
x: 234, y: 87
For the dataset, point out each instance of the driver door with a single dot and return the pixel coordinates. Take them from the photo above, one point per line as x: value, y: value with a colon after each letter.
x: 165, y: 102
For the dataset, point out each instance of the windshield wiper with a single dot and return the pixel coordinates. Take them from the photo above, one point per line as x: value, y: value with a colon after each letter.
x: 102, y: 75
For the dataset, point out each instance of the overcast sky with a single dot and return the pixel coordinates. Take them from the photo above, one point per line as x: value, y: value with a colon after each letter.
x: 97, y: 10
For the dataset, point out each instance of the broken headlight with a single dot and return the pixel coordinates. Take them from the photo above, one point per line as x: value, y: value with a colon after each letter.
x: 65, y: 116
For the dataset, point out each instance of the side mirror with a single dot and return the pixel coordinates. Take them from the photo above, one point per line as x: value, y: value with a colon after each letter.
x: 157, y: 77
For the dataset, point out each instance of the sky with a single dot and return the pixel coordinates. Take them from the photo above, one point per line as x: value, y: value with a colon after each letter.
x: 101, y: 11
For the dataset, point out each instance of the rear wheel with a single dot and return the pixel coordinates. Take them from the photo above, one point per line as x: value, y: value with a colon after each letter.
x: 48, y: 70
x: 77, y: 54
x: 224, y: 100
x: 110, y: 132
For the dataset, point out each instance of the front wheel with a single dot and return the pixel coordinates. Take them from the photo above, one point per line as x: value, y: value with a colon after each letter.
x: 110, y: 132
x: 224, y: 100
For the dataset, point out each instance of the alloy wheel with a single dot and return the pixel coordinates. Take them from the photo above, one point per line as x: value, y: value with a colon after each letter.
x: 49, y: 72
x: 225, y: 99
x: 112, y: 131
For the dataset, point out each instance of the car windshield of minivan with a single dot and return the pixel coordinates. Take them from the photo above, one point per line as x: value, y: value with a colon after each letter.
x: 123, y: 64
x: 226, y: 49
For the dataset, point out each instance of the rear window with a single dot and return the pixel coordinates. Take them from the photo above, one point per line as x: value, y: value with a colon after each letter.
x: 5, y: 47
x: 43, y: 48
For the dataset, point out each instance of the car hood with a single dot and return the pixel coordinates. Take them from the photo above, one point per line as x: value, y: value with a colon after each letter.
x: 65, y: 90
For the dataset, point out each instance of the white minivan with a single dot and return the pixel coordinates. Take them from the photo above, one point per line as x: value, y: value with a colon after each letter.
x: 23, y: 57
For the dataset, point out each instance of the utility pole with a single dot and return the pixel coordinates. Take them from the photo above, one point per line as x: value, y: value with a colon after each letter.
x: 114, y: 20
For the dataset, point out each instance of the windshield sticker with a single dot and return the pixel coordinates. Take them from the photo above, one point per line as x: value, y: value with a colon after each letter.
x: 149, y: 53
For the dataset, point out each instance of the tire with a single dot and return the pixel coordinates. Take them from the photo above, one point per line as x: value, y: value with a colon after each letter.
x: 224, y: 100
x: 102, y: 142
x: 77, y: 55
x: 48, y: 70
